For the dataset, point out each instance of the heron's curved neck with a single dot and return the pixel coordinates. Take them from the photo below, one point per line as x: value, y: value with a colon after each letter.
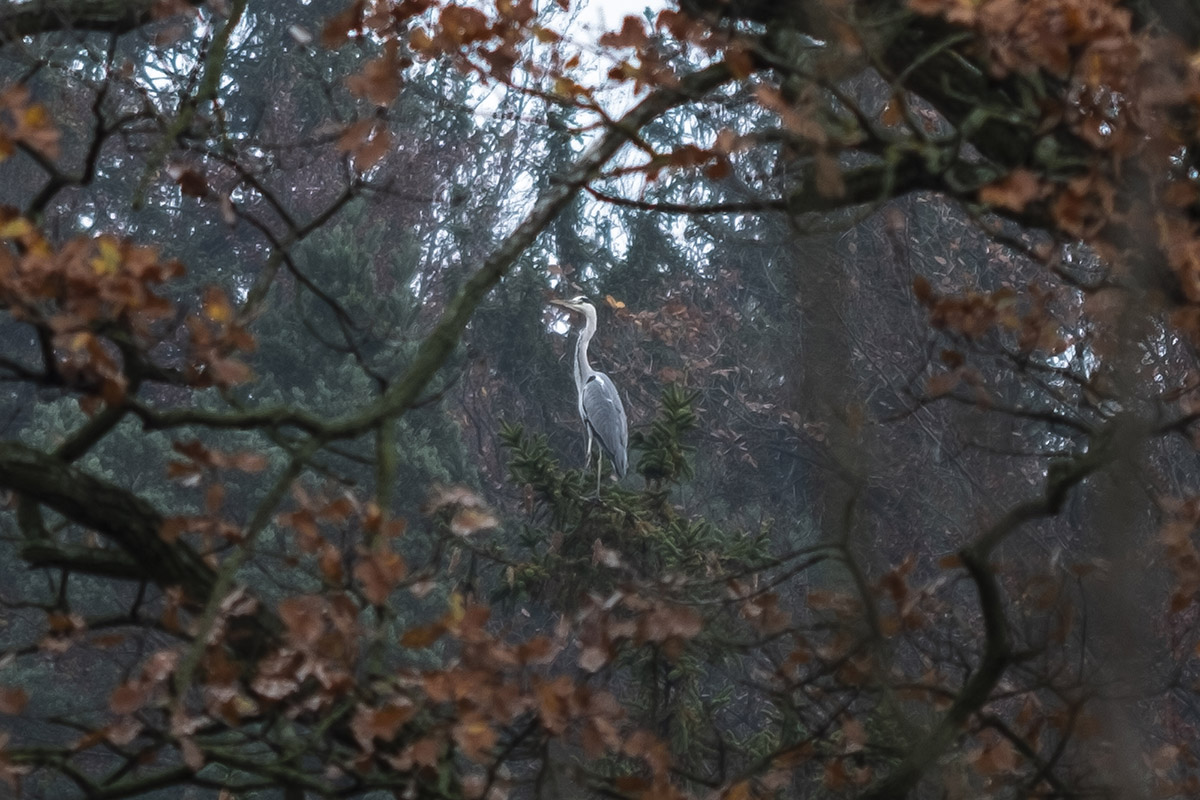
x: 583, y: 370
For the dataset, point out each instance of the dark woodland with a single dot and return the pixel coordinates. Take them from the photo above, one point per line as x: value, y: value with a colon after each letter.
x: 902, y: 298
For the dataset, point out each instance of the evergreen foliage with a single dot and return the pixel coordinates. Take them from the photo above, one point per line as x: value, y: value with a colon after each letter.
x: 574, y: 534
x: 583, y: 548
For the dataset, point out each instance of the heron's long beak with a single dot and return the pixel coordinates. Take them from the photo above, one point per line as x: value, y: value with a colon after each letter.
x: 564, y: 304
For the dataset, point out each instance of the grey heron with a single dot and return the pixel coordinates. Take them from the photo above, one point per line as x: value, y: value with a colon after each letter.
x: 599, y: 403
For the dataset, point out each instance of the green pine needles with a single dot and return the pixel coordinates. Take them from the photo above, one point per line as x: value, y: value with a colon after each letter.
x: 626, y: 533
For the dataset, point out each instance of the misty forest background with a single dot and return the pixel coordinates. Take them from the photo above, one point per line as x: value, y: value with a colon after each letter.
x: 901, y: 300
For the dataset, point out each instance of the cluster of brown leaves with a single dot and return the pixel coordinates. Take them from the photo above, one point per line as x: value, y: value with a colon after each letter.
x: 1014, y: 191
x: 476, y: 696
x: 1051, y: 35
x: 315, y: 666
x: 465, y: 511
x: 646, y: 67
x: 415, y: 720
x: 1132, y: 98
x: 489, y: 45
x: 317, y: 521
x: 152, y: 693
x: 82, y: 294
x: 477, y: 42
x: 1090, y: 44
x: 602, y: 633
x: 215, y: 336
x: 490, y: 40
x: 98, y: 302
x: 489, y: 687
x: 677, y: 323
x: 1183, y: 557
x: 148, y: 688
x: 203, y: 467
x: 975, y: 314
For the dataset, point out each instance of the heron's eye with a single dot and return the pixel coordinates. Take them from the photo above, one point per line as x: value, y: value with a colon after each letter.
x: 580, y: 299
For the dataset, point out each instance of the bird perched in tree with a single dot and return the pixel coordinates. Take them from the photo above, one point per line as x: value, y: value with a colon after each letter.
x: 600, y: 405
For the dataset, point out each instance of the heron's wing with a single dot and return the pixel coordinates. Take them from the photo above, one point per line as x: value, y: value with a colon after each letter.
x: 606, y: 417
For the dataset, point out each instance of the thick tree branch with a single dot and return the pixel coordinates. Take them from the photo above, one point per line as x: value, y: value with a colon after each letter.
x: 89, y: 560
x: 117, y: 514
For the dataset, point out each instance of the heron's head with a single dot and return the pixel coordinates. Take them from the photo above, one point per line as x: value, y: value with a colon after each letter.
x: 578, y: 304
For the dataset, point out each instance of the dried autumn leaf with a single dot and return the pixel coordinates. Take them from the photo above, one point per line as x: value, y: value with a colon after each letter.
x: 645, y: 745
x: 109, y: 640
x: 160, y: 666
x: 854, y: 736
x: 475, y: 737
x: 1014, y: 191
x: 426, y: 752
x: 379, y: 571
x: 447, y: 496
x: 801, y: 124
x: 379, y: 81
x: 226, y: 372
x: 593, y: 658
x: 16, y: 228
x: 632, y: 34
x: 719, y: 169
x: 667, y: 622
x: 214, y: 498
x: 217, y: 307
x: 943, y: 383
x: 951, y: 561
x: 998, y: 757
x: 62, y: 624
x: 127, y: 698
x: 192, y: 755
x: 246, y: 462
x: 273, y: 687
x: 470, y: 512
x: 174, y: 527
x: 107, y: 261
x: 739, y: 791
x: 835, y: 776
x: 923, y: 290
x: 338, y: 27
x: 952, y: 358
x: 422, y: 636
x: 23, y: 121
x: 460, y: 25
x: 191, y: 182
x: 892, y: 113
x: 383, y: 724
x: 13, y: 700
x: 827, y: 173
x: 329, y: 561
x: 303, y: 616
x: 605, y: 555
x: 123, y: 731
